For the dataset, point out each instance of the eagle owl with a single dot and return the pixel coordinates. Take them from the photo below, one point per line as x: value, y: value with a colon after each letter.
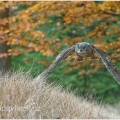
x: 83, y: 50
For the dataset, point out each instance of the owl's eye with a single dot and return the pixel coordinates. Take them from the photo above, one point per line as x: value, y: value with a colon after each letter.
x: 84, y: 48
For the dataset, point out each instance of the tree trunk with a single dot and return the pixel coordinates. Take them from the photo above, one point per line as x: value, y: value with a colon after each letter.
x: 5, y: 63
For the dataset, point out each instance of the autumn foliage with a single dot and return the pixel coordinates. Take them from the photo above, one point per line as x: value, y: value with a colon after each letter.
x: 98, y: 20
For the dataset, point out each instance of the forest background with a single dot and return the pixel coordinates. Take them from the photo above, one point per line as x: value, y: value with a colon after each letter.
x: 32, y: 34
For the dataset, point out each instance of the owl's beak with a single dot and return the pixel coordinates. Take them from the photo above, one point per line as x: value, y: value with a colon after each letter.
x: 80, y: 50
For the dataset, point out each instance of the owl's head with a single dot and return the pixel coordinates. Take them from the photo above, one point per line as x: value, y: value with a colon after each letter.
x: 83, y: 48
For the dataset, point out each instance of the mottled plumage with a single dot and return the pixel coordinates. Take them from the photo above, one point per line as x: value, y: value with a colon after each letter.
x: 83, y: 50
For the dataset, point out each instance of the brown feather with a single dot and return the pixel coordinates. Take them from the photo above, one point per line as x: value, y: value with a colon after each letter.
x: 108, y: 63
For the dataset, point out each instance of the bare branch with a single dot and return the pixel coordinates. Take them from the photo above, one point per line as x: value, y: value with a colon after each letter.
x: 111, y: 13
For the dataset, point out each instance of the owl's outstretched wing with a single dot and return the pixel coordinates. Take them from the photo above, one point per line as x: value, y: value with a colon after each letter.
x: 108, y: 63
x: 63, y: 55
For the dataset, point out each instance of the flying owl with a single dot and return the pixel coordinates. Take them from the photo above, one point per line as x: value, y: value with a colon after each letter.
x: 84, y: 50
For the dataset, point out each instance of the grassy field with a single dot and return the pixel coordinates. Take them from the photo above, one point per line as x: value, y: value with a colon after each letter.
x: 21, y: 97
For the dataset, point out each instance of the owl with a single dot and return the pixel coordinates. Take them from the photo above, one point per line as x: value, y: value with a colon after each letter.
x: 83, y: 50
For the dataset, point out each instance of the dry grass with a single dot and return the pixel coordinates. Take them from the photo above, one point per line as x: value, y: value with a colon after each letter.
x: 21, y: 98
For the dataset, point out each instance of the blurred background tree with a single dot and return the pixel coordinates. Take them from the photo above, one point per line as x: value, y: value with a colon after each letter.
x: 5, y: 62
x: 38, y: 31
